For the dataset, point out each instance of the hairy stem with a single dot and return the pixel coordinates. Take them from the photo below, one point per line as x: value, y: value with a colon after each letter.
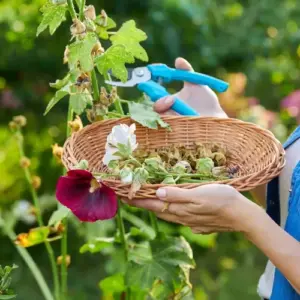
x: 72, y: 9
x: 39, y: 218
x: 95, y: 86
x: 119, y: 107
x: 120, y: 224
x: 81, y: 13
x: 64, y: 241
x: 37, y: 274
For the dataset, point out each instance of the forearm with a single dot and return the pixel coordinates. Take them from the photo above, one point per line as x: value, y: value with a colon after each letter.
x: 280, y: 247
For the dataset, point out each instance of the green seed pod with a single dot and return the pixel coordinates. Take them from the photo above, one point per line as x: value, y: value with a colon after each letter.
x: 204, y: 166
x: 169, y: 180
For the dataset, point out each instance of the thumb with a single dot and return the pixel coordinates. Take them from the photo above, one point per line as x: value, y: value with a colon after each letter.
x: 174, y: 194
x: 183, y: 64
x: 164, y: 104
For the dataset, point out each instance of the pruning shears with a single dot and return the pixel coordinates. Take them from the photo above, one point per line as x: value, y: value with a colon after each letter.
x: 149, y: 79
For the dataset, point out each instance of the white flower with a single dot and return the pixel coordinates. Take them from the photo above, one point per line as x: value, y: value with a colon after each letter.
x: 121, y: 142
x: 23, y: 211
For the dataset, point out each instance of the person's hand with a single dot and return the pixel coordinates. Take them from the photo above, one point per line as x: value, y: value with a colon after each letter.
x: 199, y: 97
x: 206, y: 209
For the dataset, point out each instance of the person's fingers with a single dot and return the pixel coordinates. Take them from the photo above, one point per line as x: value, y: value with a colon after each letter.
x: 171, y: 218
x: 164, y: 104
x: 183, y: 64
x: 149, y: 204
x: 210, y: 229
x: 173, y: 194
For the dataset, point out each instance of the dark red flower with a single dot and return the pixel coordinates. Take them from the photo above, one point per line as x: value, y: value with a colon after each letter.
x: 88, y: 199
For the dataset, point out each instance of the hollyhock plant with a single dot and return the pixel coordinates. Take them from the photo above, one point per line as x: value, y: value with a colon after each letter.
x: 86, y: 197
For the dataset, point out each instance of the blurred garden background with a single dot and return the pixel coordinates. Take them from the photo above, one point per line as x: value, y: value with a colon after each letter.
x: 255, y: 45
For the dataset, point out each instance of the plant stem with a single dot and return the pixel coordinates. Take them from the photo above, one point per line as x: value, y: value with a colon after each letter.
x: 95, y: 86
x: 39, y: 219
x: 31, y: 265
x: 120, y: 224
x: 71, y: 9
x: 64, y: 241
x: 154, y: 223
x: 119, y: 107
x: 81, y: 13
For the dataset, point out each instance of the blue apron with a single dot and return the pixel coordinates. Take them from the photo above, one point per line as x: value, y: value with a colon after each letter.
x: 282, y: 289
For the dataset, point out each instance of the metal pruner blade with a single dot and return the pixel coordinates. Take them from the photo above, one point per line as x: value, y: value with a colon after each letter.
x: 135, y: 76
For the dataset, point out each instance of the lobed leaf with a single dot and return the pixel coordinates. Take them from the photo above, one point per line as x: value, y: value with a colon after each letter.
x: 97, y: 245
x: 114, y: 59
x: 60, y: 94
x: 162, y: 261
x: 113, y: 284
x: 58, y: 215
x: 81, y: 52
x: 130, y: 36
x: 80, y: 101
x: 53, y: 16
x: 102, y: 30
x: 146, y: 116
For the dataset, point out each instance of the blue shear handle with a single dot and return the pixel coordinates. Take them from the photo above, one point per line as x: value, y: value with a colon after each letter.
x: 156, y: 91
x: 169, y: 74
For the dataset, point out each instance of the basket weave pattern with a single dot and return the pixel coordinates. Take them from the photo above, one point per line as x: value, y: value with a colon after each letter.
x: 258, y: 154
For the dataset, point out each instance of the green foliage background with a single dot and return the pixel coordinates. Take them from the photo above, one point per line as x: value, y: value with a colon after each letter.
x: 259, y: 38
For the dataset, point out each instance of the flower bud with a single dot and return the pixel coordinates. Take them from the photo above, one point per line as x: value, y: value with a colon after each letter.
x: 140, y: 177
x: 60, y: 260
x: 182, y: 167
x: 204, y: 166
x: 36, y: 182
x: 126, y: 175
x: 25, y: 162
x: 220, y: 172
x: 13, y: 125
x: 169, y: 180
x: 98, y: 49
x: 66, y: 55
x: 77, y: 28
x: 20, y: 121
x: 76, y: 124
x: 57, y: 151
x: 90, y: 12
x: 219, y: 158
x: 154, y: 163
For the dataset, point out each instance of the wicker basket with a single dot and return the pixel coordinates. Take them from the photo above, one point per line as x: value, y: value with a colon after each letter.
x: 258, y: 154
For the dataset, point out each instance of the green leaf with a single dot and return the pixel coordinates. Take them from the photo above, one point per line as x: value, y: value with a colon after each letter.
x: 131, y: 37
x: 57, y: 97
x: 205, y: 241
x: 60, y: 83
x: 163, y: 261
x: 53, y: 16
x: 102, y: 30
x: 112, y: 284
x: 81, y: 51
x: 114, y: 59
x: 58, y: 215
x: 136, y: 221
x: 145, y: 115
x: 80, y: 101
x: 5, y: 297
x: 97, y: 245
